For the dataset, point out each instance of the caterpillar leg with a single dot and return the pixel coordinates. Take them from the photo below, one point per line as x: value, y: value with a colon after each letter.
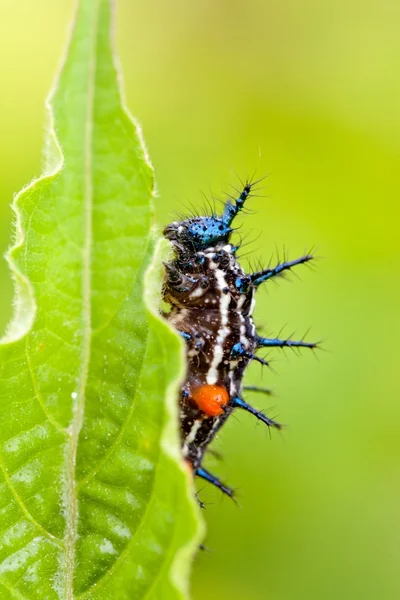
x: 262, y: 361
x: 204, y: 474
x: 186, y: 336
x: 199, y: 502
x: 240, y: 403
x: 261, y: 276
x: 238, y: 350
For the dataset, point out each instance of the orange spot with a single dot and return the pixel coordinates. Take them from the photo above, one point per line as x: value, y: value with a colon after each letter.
x: 210, y: 399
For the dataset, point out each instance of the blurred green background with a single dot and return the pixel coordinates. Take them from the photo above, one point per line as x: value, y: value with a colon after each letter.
x: 308, y: 93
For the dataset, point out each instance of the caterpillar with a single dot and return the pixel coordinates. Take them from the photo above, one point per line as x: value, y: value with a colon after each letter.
x: 211, y: 301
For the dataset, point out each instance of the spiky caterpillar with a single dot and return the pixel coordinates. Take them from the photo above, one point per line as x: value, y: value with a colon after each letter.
x: 212, y: 301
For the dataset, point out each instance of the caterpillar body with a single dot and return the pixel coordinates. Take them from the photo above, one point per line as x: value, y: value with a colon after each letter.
x: 212, y: 301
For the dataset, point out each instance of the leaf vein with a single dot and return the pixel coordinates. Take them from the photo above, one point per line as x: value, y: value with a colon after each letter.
x: 12, y: 591
x: 24, y: 509
x: 39, y: 396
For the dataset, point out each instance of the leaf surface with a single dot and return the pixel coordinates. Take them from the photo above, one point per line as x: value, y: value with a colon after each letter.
x: 94, y: 501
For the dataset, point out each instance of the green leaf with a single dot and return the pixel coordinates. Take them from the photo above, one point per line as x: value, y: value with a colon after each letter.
x: 94, y: 500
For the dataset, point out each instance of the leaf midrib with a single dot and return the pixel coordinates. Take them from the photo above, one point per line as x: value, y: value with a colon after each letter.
x: 78, y: 409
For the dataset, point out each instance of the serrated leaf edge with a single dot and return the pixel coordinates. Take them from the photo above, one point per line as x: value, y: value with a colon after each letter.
x: 24, y: 303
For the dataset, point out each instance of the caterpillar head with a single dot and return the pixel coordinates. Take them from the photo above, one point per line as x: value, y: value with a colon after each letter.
x: 198, y: 233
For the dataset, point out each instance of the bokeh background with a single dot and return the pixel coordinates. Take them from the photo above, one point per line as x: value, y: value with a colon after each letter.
x: 308, y: 93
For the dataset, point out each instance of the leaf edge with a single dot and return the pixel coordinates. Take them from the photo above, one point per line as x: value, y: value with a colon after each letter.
x: 181, y: 564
